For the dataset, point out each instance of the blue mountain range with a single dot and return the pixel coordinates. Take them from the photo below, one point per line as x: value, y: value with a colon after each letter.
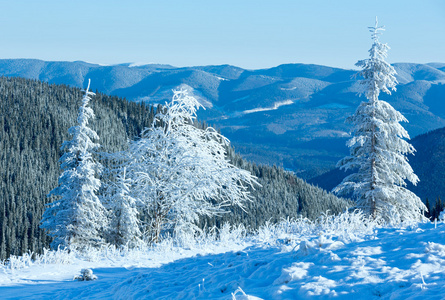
x: 292, y: 115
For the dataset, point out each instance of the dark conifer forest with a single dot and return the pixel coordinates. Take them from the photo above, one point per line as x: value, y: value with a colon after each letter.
x: 34, y: 121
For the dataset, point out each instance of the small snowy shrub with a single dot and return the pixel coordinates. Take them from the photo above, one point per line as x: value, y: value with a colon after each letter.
x: 232, y: 234
x: 442, y: 216
x: 19, y: 262
x: 59, y: 256
x: 347, y: 227
x: 86, y: 275
x: 267, y: 233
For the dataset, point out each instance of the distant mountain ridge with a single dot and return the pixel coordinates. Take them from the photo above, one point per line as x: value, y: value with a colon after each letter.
x: 291, y: 115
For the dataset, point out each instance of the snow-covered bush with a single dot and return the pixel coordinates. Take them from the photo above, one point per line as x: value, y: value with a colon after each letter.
x: 86, y: 275
x: 347, y: 227
x: 442, y: 216
x: 180, y: 172
x: 232, y: 234
x: 124, y: 225
x: 59, y: 256
x: 19, y: 262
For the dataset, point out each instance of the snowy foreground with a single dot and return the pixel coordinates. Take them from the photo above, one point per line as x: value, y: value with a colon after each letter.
x: 335, y: 259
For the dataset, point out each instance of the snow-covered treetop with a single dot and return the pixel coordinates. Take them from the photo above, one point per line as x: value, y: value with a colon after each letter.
x: 83, y: 136
x: 85, y: 112
x: 375, y: 30
x: 377, y: 73
x: 182, y: 109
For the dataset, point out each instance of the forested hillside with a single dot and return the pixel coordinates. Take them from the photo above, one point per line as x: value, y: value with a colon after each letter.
x: 281, y: 195
x: 34, y: 121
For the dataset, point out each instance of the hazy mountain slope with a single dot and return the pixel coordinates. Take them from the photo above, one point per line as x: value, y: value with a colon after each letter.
x: 408, y: 72
x: 289, y: 115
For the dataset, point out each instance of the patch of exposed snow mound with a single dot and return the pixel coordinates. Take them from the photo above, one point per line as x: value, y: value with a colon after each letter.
x: 274, y: 107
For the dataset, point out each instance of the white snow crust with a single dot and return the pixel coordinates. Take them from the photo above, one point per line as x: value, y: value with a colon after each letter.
x: 297, y: 260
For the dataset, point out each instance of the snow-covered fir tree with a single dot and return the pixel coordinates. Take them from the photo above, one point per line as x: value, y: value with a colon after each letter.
x: 77, y: 218
x: 378, y: 147
x: 124, y: 221
x: 180, y: 172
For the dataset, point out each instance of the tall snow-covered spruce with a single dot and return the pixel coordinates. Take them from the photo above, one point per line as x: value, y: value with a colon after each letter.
x: 77, y: 218
x: 378, y: 147
x: 180, y: 172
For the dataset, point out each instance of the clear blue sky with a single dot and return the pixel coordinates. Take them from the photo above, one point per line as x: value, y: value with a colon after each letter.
x: 250, y: 34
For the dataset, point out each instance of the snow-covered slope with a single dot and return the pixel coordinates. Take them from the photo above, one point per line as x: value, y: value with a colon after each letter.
x: 339, y: 259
